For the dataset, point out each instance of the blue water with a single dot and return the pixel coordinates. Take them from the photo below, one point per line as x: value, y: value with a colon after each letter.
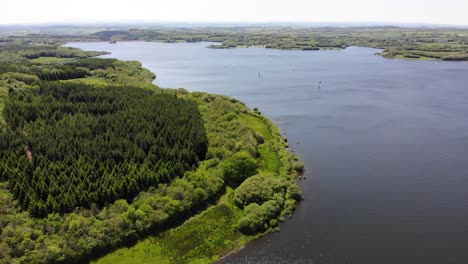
x: 384, y: 142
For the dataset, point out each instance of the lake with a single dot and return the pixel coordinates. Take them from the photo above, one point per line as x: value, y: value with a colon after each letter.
x: 384, y: 142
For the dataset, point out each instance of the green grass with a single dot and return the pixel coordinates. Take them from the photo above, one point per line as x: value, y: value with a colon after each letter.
x: 51, y: 60
x: 202, y: 239
x: 146, y: 251
x: 256, y: 124
x: 271, y: 161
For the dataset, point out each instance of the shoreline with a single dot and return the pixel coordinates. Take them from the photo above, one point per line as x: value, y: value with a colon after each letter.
x: 219, y: 45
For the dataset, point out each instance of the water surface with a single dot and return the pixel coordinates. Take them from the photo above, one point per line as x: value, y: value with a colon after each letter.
x: 384, y: 142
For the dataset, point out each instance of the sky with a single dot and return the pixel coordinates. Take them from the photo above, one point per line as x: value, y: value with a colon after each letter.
x: 454, y: 12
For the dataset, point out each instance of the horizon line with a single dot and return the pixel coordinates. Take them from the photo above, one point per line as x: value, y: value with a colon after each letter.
x: 196, y: 22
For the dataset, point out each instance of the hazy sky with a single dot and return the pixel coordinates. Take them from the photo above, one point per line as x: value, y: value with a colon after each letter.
x: 412, y: 11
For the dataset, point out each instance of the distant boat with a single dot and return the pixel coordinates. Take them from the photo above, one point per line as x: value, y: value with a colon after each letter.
x: 113, y: 42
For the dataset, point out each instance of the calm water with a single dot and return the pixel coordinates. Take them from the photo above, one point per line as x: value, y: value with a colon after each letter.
x: 385, y: 144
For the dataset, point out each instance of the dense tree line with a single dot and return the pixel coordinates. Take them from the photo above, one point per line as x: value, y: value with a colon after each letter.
x: 22, y: 51
x: 31, y: 51
x: 64, y: 72
x: 94, y: 63
x: 56, y: 72
x: 51, y: 72
x: 111, y: 70
x: 72, y: 145
x: 107, y: 35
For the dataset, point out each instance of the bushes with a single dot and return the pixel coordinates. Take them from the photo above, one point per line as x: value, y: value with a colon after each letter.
x: 298, y: 166
x: 258, y: 189
x: 238, y: 168
x: 264, y: 198
x: 259, y: 138
x: 19, y: 77
x: 259, y: 218
x: 294, y: 192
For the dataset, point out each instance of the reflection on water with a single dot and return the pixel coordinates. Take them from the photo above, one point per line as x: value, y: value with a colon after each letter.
x: 384, y: 143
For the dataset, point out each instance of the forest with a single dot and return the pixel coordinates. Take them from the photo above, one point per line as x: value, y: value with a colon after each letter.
x: 89, y: 145
x: 94, y: 157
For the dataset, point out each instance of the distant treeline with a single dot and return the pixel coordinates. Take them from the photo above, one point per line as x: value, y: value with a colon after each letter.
x: 55, y: 72
x: 14, y: 52
x: 412, y: 43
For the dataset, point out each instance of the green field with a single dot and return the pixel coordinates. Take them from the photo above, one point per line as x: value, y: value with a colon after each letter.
x: 256, y: 124
x: 270, y: 158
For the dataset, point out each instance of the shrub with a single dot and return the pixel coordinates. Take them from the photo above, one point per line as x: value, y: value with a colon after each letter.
x: 298, y: 166
x: 258, y: 218
x: 294, y: 192
x: 258, y: 189
x: 238, y: 168
x: 259, y: 138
